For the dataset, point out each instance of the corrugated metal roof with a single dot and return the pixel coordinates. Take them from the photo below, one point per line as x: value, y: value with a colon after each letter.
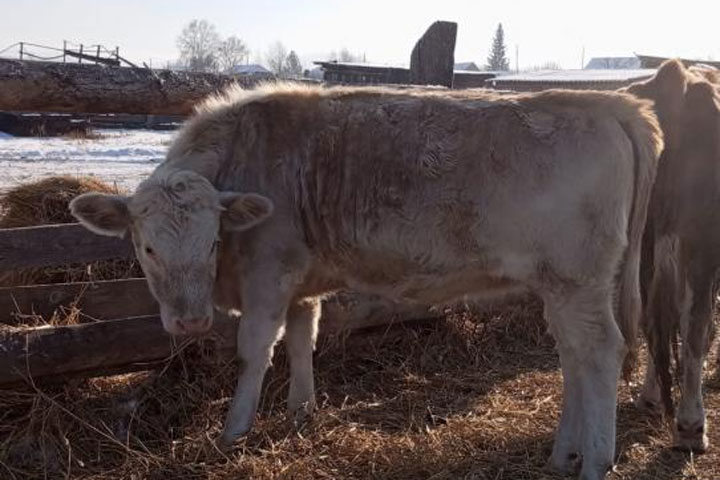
x: 606, y: 75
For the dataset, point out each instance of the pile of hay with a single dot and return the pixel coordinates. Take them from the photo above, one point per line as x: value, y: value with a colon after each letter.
x: 46, y: 202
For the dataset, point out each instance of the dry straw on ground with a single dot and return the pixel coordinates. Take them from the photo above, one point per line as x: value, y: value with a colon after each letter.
x: 467, y: 396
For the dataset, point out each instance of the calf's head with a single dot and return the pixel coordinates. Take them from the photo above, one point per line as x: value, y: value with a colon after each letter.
x: 175, y: 219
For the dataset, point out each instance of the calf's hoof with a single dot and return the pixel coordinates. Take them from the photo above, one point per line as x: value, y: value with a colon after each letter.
x: 228, y: 437
x: 301, y: 414
x: 649, y: 405
x: 225, y: 444
x: 691, y: 437
x: 565, y: 464
x: 595, y: 472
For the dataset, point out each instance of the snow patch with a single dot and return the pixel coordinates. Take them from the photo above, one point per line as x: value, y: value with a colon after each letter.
x: 122, y: 157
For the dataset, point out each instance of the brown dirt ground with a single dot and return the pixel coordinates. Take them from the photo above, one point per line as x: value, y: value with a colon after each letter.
x: 471, y: 396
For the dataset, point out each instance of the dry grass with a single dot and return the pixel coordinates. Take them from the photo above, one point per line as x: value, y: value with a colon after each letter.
x: 469, y: 396
x: 46, y: 202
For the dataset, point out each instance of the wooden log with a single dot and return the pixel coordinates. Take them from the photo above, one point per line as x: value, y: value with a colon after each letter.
x: 433, y: 58
x: 105, y: 300
x: 70, y: 87
x: 61, y: 352
x: 51, y: 245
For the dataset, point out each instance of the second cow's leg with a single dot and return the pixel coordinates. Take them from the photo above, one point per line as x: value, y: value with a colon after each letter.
x: 592, y: 349
x: 649, y: 398
x: 300, y: 334
x: 695, y: 329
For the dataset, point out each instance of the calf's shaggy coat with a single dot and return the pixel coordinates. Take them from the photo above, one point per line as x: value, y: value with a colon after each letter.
x: 418, y: 196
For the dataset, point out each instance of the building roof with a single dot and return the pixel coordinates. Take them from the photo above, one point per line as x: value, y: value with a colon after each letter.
x: 466, y: 67
x: 572, y: 76
x: 649, y: 61
x: 613, y: 63
x: 250, y: 69
x: 481, y: 73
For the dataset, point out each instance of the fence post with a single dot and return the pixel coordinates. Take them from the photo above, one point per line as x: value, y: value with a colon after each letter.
x: 64, y: 51
x: 81, y: 52
x: 21, y: 50
x: 98, y: 53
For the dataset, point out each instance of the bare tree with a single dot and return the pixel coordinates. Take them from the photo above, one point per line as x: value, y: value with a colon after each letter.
x: 231, y: 52
x: 198, y: 44
x: 347, y: 56
x: 276, y: 58
x: 293, y: 67
x: 549, y: 65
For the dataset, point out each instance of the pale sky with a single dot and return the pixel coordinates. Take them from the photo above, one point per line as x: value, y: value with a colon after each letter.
x: 384, y: 30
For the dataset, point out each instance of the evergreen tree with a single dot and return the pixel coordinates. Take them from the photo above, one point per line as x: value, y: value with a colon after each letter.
x: 293, y: 67
x: 497, y: 59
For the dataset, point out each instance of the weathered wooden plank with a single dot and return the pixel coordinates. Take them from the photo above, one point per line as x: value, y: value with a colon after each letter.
x: 69, y: 87
x: 68, y: 350
x: 104, y: 300
x: 57, y: 245
x: 433, y: 58
x: 128, y: 344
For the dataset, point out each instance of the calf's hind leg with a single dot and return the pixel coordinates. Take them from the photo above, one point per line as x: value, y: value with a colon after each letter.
x: 591, y: 349
x: 300, y: 334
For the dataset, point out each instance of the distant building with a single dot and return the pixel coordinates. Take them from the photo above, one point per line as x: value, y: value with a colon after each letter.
x: 603, y: 79
x: 363, y: 73
x: 466, y: 67
x: 471, y: 79
x: 349, y: 73
x: 648, y: 61
x: 613, y: 63
x: 251, y: 70
x: 316, y: 73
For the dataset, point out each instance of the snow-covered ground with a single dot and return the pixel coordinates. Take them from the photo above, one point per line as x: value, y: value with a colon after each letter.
x: 123, y: 157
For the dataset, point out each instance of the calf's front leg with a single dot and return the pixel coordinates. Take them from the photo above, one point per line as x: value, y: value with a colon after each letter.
x: 265, y: 303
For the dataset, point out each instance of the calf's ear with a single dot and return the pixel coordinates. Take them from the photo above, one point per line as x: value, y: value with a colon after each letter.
x: 242, y: 211
x: 102, y: 213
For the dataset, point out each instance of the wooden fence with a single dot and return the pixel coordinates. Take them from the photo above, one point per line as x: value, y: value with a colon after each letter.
x: 123, y: 331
